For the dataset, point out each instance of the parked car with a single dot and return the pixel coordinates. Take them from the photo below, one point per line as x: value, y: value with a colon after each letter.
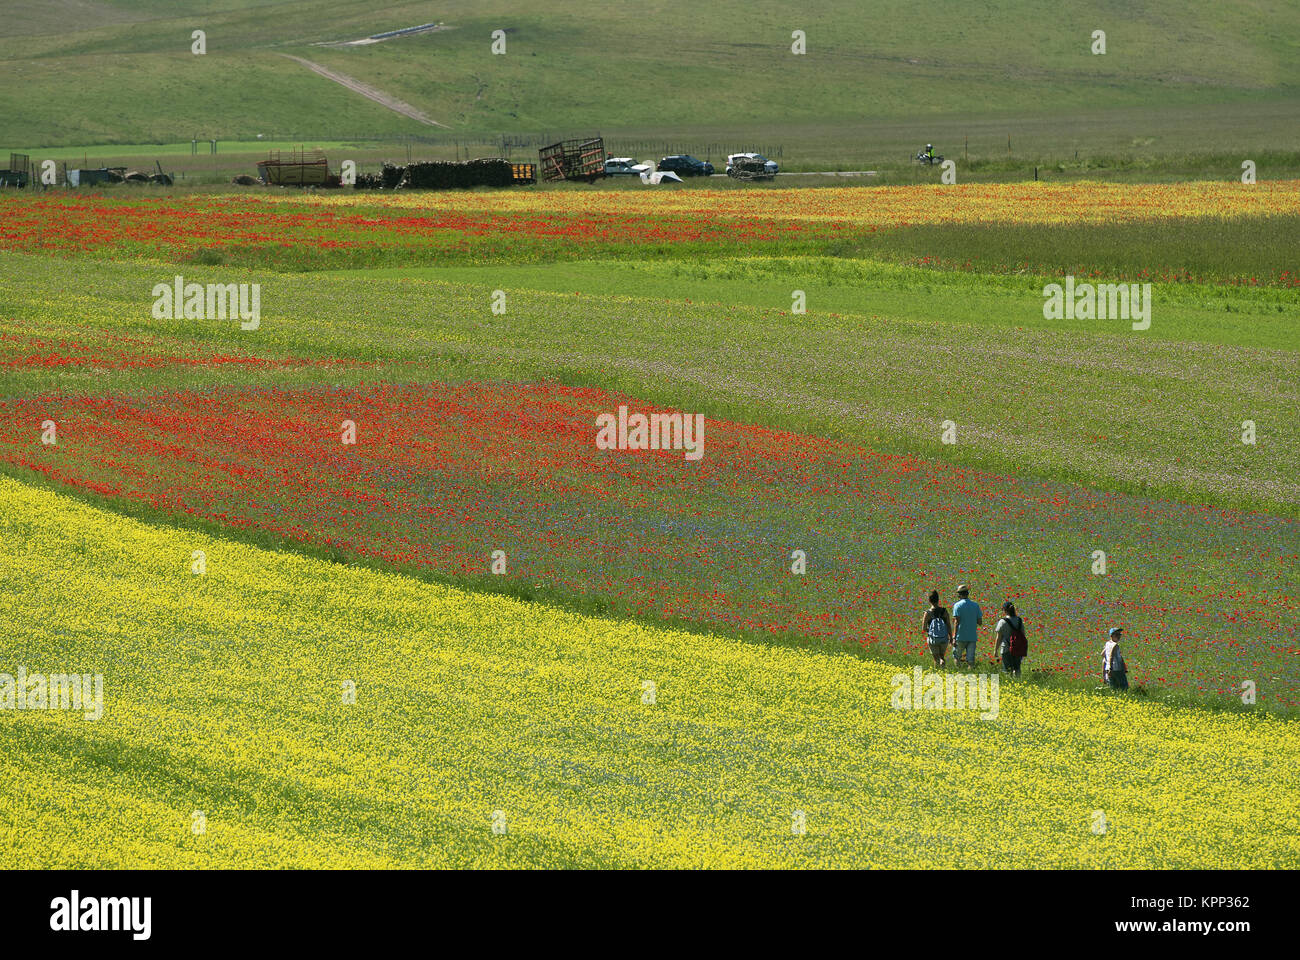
x: 625, y: 165
x: 686, y: 165
x: 769, y: 166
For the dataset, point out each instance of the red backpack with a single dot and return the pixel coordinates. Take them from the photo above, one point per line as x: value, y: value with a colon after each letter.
x: 1017, y: 644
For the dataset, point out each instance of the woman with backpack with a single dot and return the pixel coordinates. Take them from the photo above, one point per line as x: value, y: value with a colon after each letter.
x: 1012, y: 644
x: 937, y: 627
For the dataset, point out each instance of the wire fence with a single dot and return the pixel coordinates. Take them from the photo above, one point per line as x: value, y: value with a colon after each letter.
x: 505, y: 143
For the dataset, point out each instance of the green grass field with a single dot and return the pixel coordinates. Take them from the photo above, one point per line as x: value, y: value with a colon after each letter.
x: 1178, y: 93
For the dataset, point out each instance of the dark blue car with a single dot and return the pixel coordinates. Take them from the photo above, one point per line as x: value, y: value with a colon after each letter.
x: 684, y: 165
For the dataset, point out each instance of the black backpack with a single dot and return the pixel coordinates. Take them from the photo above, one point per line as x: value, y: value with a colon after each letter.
x: 1017, y: 642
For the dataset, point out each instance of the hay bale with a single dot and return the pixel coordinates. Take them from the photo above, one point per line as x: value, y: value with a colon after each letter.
x: 440, y: 175
x: 447, y: 175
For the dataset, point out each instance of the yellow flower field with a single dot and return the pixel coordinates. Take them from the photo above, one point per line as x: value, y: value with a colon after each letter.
x: 1079, y: 202
x: 224, y: 695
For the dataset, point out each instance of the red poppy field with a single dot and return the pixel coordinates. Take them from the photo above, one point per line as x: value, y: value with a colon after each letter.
x: 440, y: 476
x: 292, y: 235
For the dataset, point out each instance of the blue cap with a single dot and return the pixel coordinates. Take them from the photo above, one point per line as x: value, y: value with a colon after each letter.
x: 1115, y: 630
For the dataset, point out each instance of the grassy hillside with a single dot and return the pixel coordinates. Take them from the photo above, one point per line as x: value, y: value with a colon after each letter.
x: 122, y: 71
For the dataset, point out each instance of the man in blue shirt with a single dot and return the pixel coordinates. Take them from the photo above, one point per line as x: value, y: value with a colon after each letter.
x: 967, y: 616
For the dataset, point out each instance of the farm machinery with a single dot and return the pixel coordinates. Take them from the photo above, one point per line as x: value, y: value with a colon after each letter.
x: 19, y: 171
x: 300, y: 169
x: 749, y: 168
x: 573, y: 160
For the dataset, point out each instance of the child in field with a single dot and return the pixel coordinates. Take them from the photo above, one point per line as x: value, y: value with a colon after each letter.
x: 937, y: 627
x: 1012, y: 645
x: 1114, y: 670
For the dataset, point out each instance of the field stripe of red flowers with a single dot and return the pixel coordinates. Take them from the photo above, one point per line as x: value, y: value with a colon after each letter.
x: 162, y: 228
x: 440, y: 476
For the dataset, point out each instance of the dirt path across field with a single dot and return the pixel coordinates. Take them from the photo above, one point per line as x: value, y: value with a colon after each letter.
x: 369, y: 92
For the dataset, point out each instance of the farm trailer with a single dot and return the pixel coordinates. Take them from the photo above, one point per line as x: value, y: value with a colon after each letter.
x: 303, y: 168
x: 19, y: 173
x: 573, y: 160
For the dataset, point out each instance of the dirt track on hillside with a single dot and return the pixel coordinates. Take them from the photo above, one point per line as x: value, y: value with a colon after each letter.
x: 369, y: 92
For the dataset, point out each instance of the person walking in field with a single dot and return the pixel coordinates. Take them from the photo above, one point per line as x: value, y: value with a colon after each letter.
x: 967, y: 616
x: 1012, y: 644
x: 937, y: 627
x: 1114, y: 670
